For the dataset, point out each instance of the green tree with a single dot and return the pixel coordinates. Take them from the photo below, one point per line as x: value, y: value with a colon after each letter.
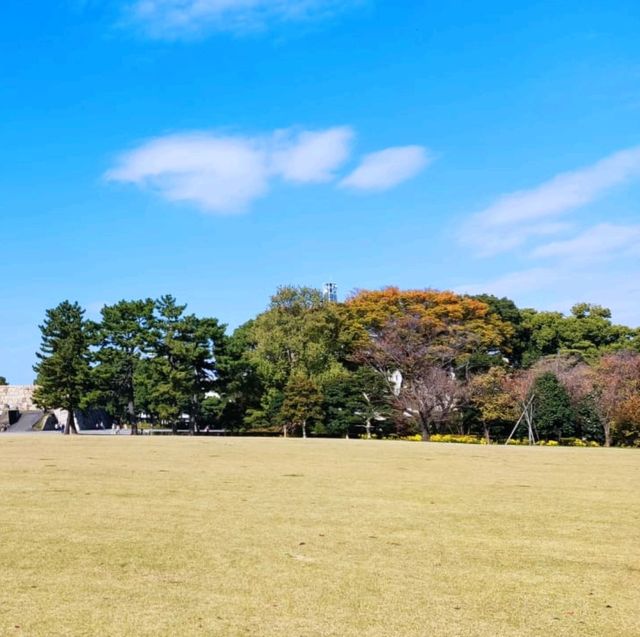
x: 516, y: 341
x: 299, y: 334
x: 63, y: 373
x: 181, y: 371
x: 553, y: 413
x: 338, y: 396
x: 586, y: 332
x: 588, y: 423
x: 240, y: 386
x: 266, y: 414
x: 493, y: 402
x: 3, y: 381
x: 356, y: 401
x: 589, y: 331
x: 122, y: 339
x: 542, y: 333
x: 302, y: 405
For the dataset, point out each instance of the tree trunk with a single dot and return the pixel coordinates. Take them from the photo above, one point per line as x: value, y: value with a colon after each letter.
x: 284, y: 431
x: 368, y: 428
x: 487, y: 435
x: 304, y: 428
x: 131, y: 416
x: 607, y: 434
x: 70, y: 425
x: 425, y: 430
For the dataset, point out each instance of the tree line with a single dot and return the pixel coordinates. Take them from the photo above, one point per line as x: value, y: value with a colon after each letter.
x: 383, y: 363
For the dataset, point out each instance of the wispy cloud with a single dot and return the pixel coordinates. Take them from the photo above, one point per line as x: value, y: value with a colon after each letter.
x: 227, y: 173
x: 603, y: 241
x: 515, y: 217
x: 221, y: 174
x: 387, y: 168
x: 514, y: 284
x: 169, y: 19
x: 553, y: 288
x: 310, y: 156
x: 224, y: 173
x: 567, y: 261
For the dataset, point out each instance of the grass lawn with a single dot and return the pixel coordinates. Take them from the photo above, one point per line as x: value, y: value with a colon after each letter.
x: 221, y: 536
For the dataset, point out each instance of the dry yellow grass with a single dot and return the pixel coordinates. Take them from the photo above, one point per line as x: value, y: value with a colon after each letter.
x: 191, y: 536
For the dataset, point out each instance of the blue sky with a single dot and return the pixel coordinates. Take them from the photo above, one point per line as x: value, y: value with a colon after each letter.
x: 214, y: 149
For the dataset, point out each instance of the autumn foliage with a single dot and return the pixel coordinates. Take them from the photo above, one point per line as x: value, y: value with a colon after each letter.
x: 385, y: 363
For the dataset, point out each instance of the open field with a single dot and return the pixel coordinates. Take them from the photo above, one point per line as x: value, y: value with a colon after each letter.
x: 222, y: 536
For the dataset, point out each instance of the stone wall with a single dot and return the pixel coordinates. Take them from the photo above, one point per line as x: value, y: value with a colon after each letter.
x: 17, y: 397
x: 20, y: 397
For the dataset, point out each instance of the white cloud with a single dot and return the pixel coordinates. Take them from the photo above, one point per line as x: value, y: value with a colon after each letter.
x: 179, y: 18
x: 573, y: 271
x: 514, y: 284
x: 513, y: 218
x: 568, y: 262
x: 221, y: 174
x: 224, y: 173
x: 553, y: 288
x: 565, y: 191
x: 493, y: 241
x: 387, y: 168
x: 602, y: 241
x: 311, y: 156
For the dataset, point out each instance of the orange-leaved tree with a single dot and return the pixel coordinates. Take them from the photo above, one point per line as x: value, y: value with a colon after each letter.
x: 422, y: 342
x: 463, y: 324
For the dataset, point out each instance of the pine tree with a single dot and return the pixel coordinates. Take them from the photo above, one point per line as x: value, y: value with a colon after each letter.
x: 182, y: 368
x: 123, y: 339
x: 63, y: 368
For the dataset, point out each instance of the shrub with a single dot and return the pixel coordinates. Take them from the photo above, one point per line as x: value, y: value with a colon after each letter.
x: 457, y: 438
x: 578, y: 442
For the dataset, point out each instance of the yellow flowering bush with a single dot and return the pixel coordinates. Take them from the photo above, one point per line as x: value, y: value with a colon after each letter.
x: 480, y: 440
x: 463, y: 439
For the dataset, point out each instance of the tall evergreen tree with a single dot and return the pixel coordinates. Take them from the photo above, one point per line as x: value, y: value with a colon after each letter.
x: 123, y: 338
x: 183, y: 369
x: 553, y: 413
x: 63, y: 373
x: 240, y: 388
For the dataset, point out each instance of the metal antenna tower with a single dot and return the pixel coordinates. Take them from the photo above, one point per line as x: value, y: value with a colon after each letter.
x: 330, y: 292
